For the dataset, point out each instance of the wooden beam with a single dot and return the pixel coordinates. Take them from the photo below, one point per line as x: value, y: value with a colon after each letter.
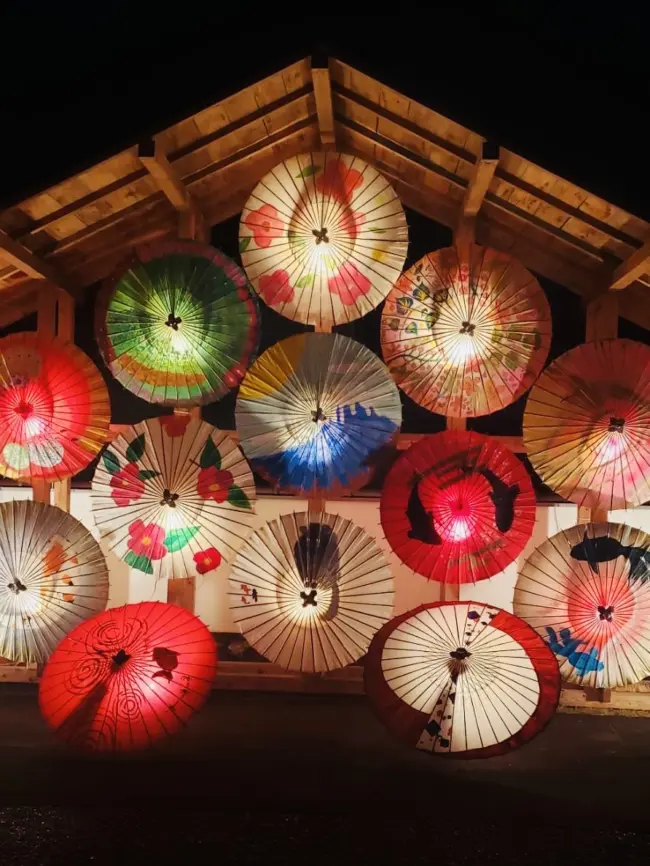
x: 324, y: 108
x: 480, y: 179
x: 28, y: 263
x: 163, y: 172
x: 65, y: 318
x: 602, y: 318
x: 634, y: 266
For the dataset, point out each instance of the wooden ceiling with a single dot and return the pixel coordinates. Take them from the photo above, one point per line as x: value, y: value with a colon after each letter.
x: 204, y: 167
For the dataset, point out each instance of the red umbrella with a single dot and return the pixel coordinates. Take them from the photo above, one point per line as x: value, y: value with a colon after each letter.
x: 128, y: 677
x: 461, y: 679
x: 458, y: 507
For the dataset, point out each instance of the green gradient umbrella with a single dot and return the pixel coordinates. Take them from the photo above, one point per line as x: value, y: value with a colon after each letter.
x: 178, y: 325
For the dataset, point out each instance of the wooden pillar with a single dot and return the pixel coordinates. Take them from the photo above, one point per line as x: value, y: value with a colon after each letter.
x: 65, y: 331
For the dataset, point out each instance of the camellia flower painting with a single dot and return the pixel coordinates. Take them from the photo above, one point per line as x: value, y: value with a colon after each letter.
x: 323, y: 238
x: 173, y: 497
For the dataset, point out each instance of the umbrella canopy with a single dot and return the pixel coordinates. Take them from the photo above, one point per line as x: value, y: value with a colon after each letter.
x: 313, y: 410
x: 458, y: 507
x: 52, y: 576
x: 128, y: 677
x: 587, y: 425
x: 178, y: 324
x: 323, y: 237
x: 586, y: 591
x: 309, y: 591
x: 466, y: 331
x: 461, y: 679
x: 54, y: 408
x: 173, y: 496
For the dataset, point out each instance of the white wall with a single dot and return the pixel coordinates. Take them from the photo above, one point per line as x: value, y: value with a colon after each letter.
x: 410, y: 589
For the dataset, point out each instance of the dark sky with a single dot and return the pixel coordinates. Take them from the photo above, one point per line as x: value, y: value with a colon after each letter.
x: 570, y: 93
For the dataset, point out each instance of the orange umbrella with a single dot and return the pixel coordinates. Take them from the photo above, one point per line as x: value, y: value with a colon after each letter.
x: 466, y: 332
x: 587, y: 425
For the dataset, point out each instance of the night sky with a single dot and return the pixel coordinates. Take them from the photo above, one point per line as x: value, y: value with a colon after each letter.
x: 567, y: 93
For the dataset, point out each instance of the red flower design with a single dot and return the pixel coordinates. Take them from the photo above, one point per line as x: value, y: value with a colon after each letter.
x: 349, y: 284
x: 265, y: 225
x: 338, y: 180
x: 214, y: 484
x: 174, y: 425
x: 207, y: 560
x: 275, y: 288
x: 127, y: 487
x: 147, y: 539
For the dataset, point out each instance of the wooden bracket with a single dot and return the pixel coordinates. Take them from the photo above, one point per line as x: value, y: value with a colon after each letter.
x: 324, y: 107
x: 479, y: 183
x: 634, y: 266
x: 191, y: 222
x: 29, y: 263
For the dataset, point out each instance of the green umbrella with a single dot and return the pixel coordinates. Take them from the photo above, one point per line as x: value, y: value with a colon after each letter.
x: 179, y: 324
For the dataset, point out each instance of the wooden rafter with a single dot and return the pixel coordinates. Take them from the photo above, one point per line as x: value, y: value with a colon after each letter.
x: 25, y: 260
x: 324, y: 108
x: 632, y: 268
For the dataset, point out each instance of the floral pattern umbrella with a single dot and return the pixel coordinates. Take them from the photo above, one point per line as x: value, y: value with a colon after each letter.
x: 173, y: 496
x: 52, y: 576
x: 586, y: 591
x: 178, y: 324
x: 312, y: 412
x: 323, y: 237
x: 461, y: 679
x: 309, y: 591
x: 458, y: 507
x: 587, y: 425
x: 466, y: 331
x: 54, y: 408
x: 128, y: 677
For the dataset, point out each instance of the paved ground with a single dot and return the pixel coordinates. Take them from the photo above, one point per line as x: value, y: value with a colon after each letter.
x: 297, y: 779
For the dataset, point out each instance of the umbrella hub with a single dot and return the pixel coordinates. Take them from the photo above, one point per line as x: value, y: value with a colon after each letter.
x: 24, y: 409
x: 321, y: 236
x: 616, y: 425
x: 309, y: 598
x: 16, y: 586
x: 318, y: 415
x: 173, y: 321
x: 467, y: 328
x: 605, y: 613
x: 460, y: 654
x: 169, y: 498
x: 120, y: 658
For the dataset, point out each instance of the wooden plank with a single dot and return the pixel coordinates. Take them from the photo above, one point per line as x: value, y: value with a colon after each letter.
x: 65, y: 319
x: 634, y: 266
x: 18, y: 255
x: 602, y: 318
x: 455, y: 423
x: 181, y: 591
x: 479, y: 183
x: 324, y: 109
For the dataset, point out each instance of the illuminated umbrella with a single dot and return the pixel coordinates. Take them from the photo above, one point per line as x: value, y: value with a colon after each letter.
x: 52, y: 576
x: 466, y: 333
x: 178, y: 324
x: 54, y: 408
x: 128, y: 677
x: 586, y: 591
x: 323, y: 237
x: 461, y: 679
x: 309, y: 591
x: 587, y: 425
x: 173, y: 496
x: 312, y: 411
x: 458, y: 507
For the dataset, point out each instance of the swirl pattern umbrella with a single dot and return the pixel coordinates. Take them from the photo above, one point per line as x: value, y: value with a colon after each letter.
x: 309, y: 591
x: 461, y: 679
x: 458, y: 507
x: 586, y: 591
x: 178, y: 324
x: 323, y: 237
x: 52, y: 576
x: 54, y: 408
x: 466, y: 332
x: 128, y: 677
x: 173, y: 496
x: 587, y: 425
x: 313, y: 410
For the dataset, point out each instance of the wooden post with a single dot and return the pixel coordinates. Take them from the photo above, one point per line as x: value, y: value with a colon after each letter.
x: 65, y: 331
